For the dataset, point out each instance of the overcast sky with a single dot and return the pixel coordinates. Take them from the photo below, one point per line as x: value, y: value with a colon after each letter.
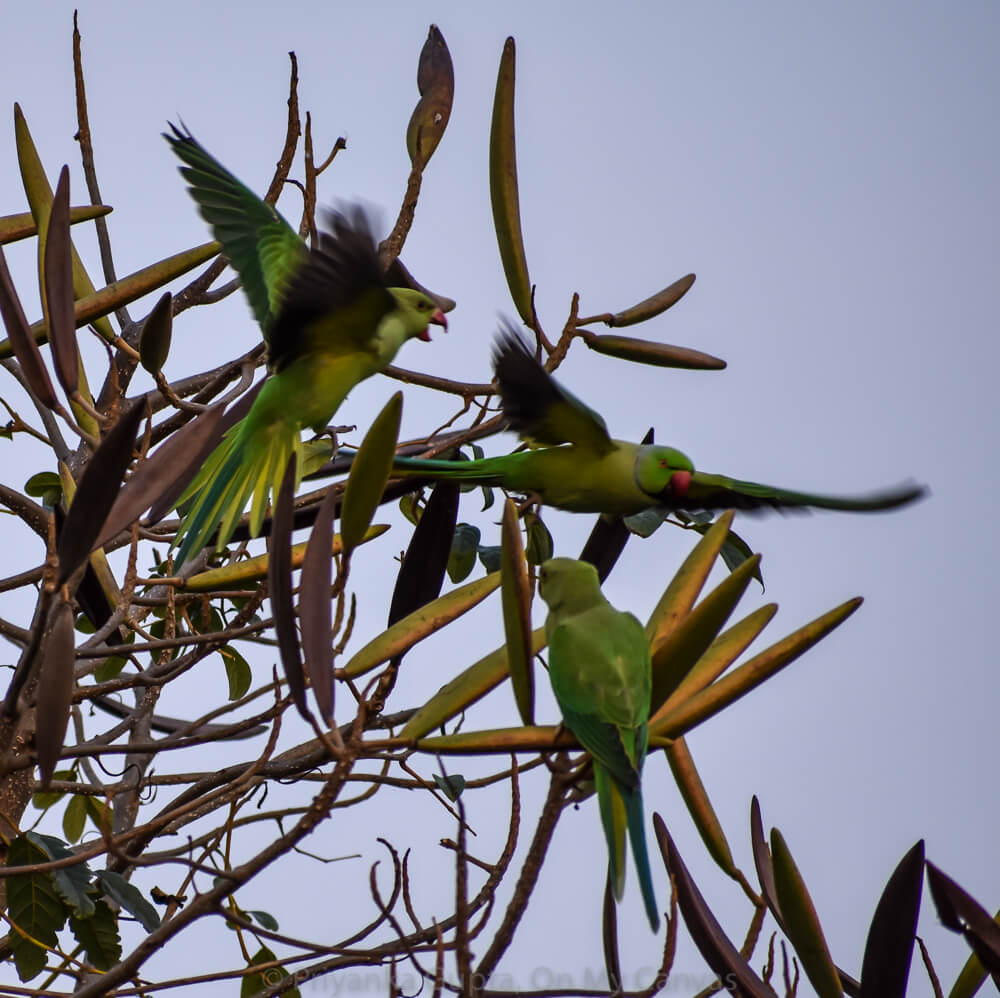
x: 829, y: 173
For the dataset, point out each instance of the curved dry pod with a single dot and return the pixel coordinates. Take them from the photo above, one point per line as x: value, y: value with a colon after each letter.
x: 369, y: 473
x: 515, y: 592
x: 465, y: 689
x: 416, y: 626
x: 652, y: 306
x: 436, y: 84
x: 154, y: 339
x: 250, y: 571
x: 503, y: 187
x: 22, y: 225
x: 647, y: 352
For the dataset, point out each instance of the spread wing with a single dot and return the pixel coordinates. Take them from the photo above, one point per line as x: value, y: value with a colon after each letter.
x: 338, y: 297
x: 537, y: 407
x: 259, y: 244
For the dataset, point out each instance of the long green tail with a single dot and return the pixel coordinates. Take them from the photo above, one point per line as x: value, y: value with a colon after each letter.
x: 486, y: 471
x: 250, y: 461
x: 720, y: 492
x: 637, y: 836
x: 621, y: 811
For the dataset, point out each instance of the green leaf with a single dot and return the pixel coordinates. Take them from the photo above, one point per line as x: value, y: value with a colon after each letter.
x: 100, y: 813
x: 450, y: 786
x: 46, y: 485
x: 801, y: 922
x: 84, y: 624
x: 462, y: 557
x: 72, y: 883
x: 409, y: 506
x: 646, y: 523
x: 238, y: 672
x: 489, y: 557
x: 122, y: 892
x: 203, y: 622
x: 75, y: 817
x: 112, y: 666
x: 254, y: 984
x: 539, y: 547
x: 369, y: 473
x: 34, y: 907
x: 44, y: 799
x: 266, y: 919
x: 98, y: 935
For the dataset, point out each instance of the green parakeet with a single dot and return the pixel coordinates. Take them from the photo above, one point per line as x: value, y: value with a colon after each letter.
x: 585, y: 471
x: 601, y: 676
x: 329, y: 321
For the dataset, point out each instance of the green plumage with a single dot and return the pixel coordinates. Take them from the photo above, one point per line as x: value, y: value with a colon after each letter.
x: 583, y: 470
x: 259, y: 244
x: 601, y: 675
x: 329, y: 320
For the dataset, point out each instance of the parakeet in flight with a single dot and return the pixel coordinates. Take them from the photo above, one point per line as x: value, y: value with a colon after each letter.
x: 329, y: 321
x: 580, y: 468
x: 601, y: 676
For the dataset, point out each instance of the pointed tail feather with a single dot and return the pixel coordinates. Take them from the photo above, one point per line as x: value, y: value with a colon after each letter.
x: 706, y: 491
x: 637, y: 836
x: 614, y: 818
x: 487, y: 471
x: 250, y: 461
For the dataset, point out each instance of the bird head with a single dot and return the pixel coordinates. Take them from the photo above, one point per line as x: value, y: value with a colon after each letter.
x: 418, y: 311
x: 566, y: 584
x: 663, y: 473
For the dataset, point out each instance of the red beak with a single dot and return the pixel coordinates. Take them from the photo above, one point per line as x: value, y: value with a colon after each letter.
x: 437, y: 319
x: 679, y: 483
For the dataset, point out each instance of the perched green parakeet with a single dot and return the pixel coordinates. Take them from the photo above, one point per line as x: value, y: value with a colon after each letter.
x: 585, y: 471
x: 601, y: 676
x: 329, y: 321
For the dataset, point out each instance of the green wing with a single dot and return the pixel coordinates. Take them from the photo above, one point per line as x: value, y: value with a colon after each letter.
x: 336, y: 299
x: 261, y: 246
x: 600, y: 674
x: 536, y: 406
x: 604, y: 742
x: 718, y: 492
